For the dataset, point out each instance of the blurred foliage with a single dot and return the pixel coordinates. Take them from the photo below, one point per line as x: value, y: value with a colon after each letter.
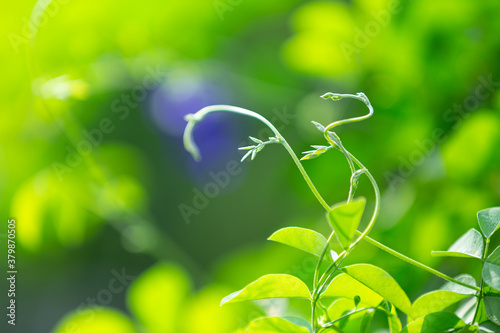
x: 93, y: 169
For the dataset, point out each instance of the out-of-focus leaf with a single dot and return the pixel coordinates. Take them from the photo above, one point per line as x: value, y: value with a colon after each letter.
x: 95, y: 320
x: 466, y: 278
x: 492, y: 307
x: 274, y: 325
x: 344, y: 219
x: 491, y: 269
x: 302, y: 239
x: 156, y: 295
x: 469, y: 245
x: 434, y: 301
x: 270, y: 286
x: 381, y: 283
x: 434, y: 322
x: 489, y: 221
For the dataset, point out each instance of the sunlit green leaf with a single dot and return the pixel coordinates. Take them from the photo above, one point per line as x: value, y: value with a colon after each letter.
x: 492, y: 307
x: 381, y: 283
x: 457, y: 288
x: 468, y: 329
x: 491, y: 269
x: 274, y: 325
x: 344, y: 219
x: 434, y: 301
x: 302, y: 239
x: 270, y: 286
x: 433, y: 323
x: 470, y: 245
x: 489, y: 221
x: 345, y: 286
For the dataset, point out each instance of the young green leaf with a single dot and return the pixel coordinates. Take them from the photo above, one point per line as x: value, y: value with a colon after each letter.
x: 381, y: 283
x: 366, y: 321
x: 302, y: 239
x: 457, y: 288
x: 434, y: 322
x: 492, y: 306
x: 320, y: 127
x: 434, y: 301
x: 344, y: 219
x: 489, y: 221
x: 392, y: 316
x: 469, y: 245
x: 491, y: 269
x: 274, y: 325
x: 270, y: 286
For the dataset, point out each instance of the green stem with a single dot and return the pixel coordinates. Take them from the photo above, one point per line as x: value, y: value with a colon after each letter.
x: 416, y: 263
x: 193, y: 119
x: 330, y: 324
x: 480, y: 293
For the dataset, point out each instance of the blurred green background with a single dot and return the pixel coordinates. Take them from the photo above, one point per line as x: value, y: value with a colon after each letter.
x: 113, y: 234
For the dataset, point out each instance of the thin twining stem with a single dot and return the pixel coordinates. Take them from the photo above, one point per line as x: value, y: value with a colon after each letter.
x: 191, y: 146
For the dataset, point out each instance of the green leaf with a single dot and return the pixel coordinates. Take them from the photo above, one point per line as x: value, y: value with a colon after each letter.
x: 457, y: 288
x: 470, y: 245
x: 392, y: 316
x: 434, y: 322
x: 381, y: 283
x: 489, y: 221
x: 344, y: 219
x: 491, y: 269
x: 270, y: 286
x: 468, y: 329
x: 274, y: 325
x: 492, y: 306
x: 302, y: 239
x: 320, y: 127
x: 434, y: 301
x: 345, y: 286
x: 366, y: 321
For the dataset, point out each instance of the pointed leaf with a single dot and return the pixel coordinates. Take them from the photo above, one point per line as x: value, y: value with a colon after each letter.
x: 492, y: 306
x: 274, y: 325
x: 344, y: 219
x: 318, y: 126
x: 434, y: 301
x: 470, y: 245
x: 491, y: 269
x: 434, y: 322
x: 302, y: 239
x: 271, y: 286
x: 381, y: 283
x: 255, y: 139
x: 489, y: 221
x: 457, y: 288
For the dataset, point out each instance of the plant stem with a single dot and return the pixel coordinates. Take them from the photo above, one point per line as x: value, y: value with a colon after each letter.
x: 416, y: 263
x: 193, y: 119
x: 480, y: 293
